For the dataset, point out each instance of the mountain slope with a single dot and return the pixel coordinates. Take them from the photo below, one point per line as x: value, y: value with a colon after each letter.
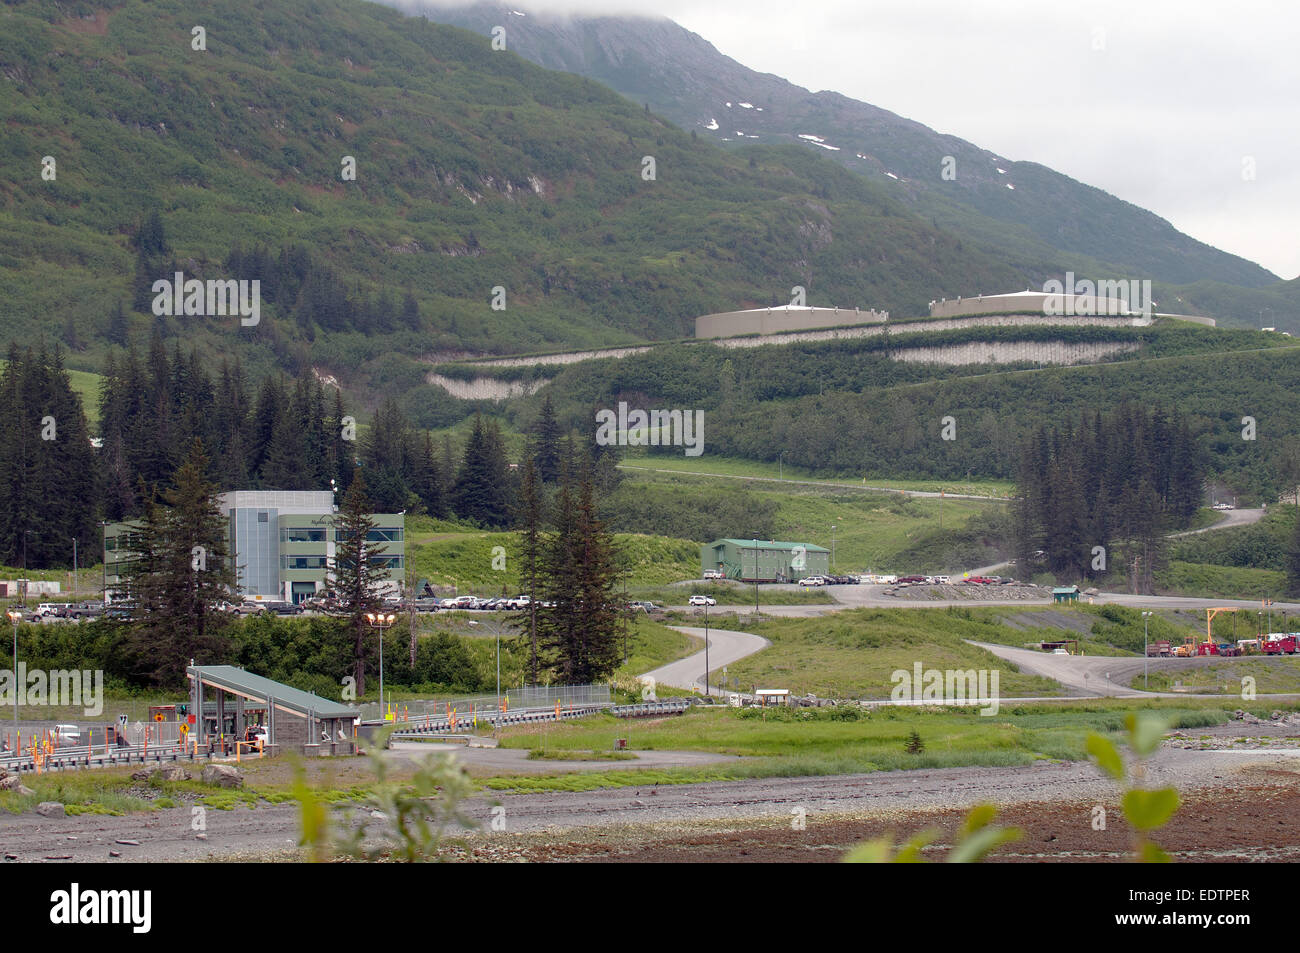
x: 682, y: 76
x: 475, y: 170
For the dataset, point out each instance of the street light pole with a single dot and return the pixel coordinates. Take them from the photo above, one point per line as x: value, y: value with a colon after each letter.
x: 497, y: 631
x: 707, y: 692
x: 755, y: 576
x: 103, y: 570
x: 832, y: 546
x: 379, y: 621
x: 14, y: 617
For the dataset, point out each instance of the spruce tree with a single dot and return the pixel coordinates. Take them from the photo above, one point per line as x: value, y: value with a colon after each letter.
x: 353, y: 574
x: 181, y: 573
x: 481, y: 492
x: 579, y: 635
x: 546, y: 431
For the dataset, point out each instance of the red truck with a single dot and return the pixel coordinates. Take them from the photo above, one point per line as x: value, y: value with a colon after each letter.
x: 1278, y: 644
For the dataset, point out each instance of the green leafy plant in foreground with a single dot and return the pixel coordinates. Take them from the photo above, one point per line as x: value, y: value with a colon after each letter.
x: 404, y: 821
x: 1145, y: 809
x: 976, y: 839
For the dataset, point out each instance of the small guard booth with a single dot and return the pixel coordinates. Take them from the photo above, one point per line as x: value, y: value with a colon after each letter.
x: 294, y: 719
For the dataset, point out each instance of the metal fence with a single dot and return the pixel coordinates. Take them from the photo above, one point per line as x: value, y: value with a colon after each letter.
x: 530, y: 696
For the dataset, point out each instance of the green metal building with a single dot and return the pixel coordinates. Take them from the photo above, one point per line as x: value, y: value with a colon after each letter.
x: 764, y: 560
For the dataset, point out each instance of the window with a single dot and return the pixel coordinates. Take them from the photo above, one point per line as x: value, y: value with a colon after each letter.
x: 301, y: 534
x: 302, y: 562
x: 385, y: 534
x: 262, y: 516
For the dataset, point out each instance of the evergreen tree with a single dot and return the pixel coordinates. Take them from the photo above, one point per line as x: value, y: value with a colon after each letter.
x: 580, y: 634
x: 546, y: 431
x: 353, y: 573
x: 385, y: 453
x: 427, y: 483
x: 181, y: 573
x: 118, y: 330
x: 481, y: 492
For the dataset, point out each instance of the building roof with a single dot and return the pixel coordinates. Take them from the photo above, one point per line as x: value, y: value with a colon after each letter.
x: 286, y: 501
x: 769, y: 544
x: 241, y: 682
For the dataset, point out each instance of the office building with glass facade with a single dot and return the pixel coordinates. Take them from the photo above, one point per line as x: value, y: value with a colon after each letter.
x: 282, y: 543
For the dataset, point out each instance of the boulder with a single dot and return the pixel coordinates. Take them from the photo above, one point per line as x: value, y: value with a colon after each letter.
x: 50, y: 809
x: 10, y: 782
x: 223, y: 776
x: 166, y: 772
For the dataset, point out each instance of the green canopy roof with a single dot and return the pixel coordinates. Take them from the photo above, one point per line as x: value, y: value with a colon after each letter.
x: 239, y: 681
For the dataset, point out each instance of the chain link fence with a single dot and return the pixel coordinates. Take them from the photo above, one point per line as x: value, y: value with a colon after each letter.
x: 530, y: 696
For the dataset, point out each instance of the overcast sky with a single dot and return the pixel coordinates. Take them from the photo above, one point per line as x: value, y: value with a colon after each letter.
x: 1164, y: 103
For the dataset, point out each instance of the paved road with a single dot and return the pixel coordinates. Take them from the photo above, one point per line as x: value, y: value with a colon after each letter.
x: 725, y: 646
x: 1231, y: 518
x: 1107, y: 675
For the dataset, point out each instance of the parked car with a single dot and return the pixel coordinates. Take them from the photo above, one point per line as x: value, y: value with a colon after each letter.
x: 942, y: 580
x: 282, y: 608
x: 913, y: 580
x: 86, y: 610
x: 49, y: 610
x: 255, y: 733
x: 67, y: 735
x: 702, y: 600
x: 714, y: 574
x: 812, y: 581
x: 122, y: 611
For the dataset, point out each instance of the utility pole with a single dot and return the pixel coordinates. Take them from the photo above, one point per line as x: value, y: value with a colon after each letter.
x: 707, y: 692
x: 1146, y: 617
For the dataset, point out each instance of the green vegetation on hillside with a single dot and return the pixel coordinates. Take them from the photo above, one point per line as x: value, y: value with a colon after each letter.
x: 474, y: 170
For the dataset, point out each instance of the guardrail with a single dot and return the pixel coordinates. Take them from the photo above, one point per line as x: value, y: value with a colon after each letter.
x: 73, y: 757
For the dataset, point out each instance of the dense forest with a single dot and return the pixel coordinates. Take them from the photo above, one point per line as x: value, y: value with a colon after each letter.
x: 1105, y: 490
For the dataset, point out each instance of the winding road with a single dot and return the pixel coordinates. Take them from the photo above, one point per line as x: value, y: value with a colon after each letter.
x: 725, y: 646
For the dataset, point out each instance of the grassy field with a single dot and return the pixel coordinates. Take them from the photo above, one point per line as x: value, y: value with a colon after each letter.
x: 447, y: 554
x: 853, y: 653
x: 739, y: 467
x: 875, y: 531
x: 789, y: 743
x: 1223, y: 582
